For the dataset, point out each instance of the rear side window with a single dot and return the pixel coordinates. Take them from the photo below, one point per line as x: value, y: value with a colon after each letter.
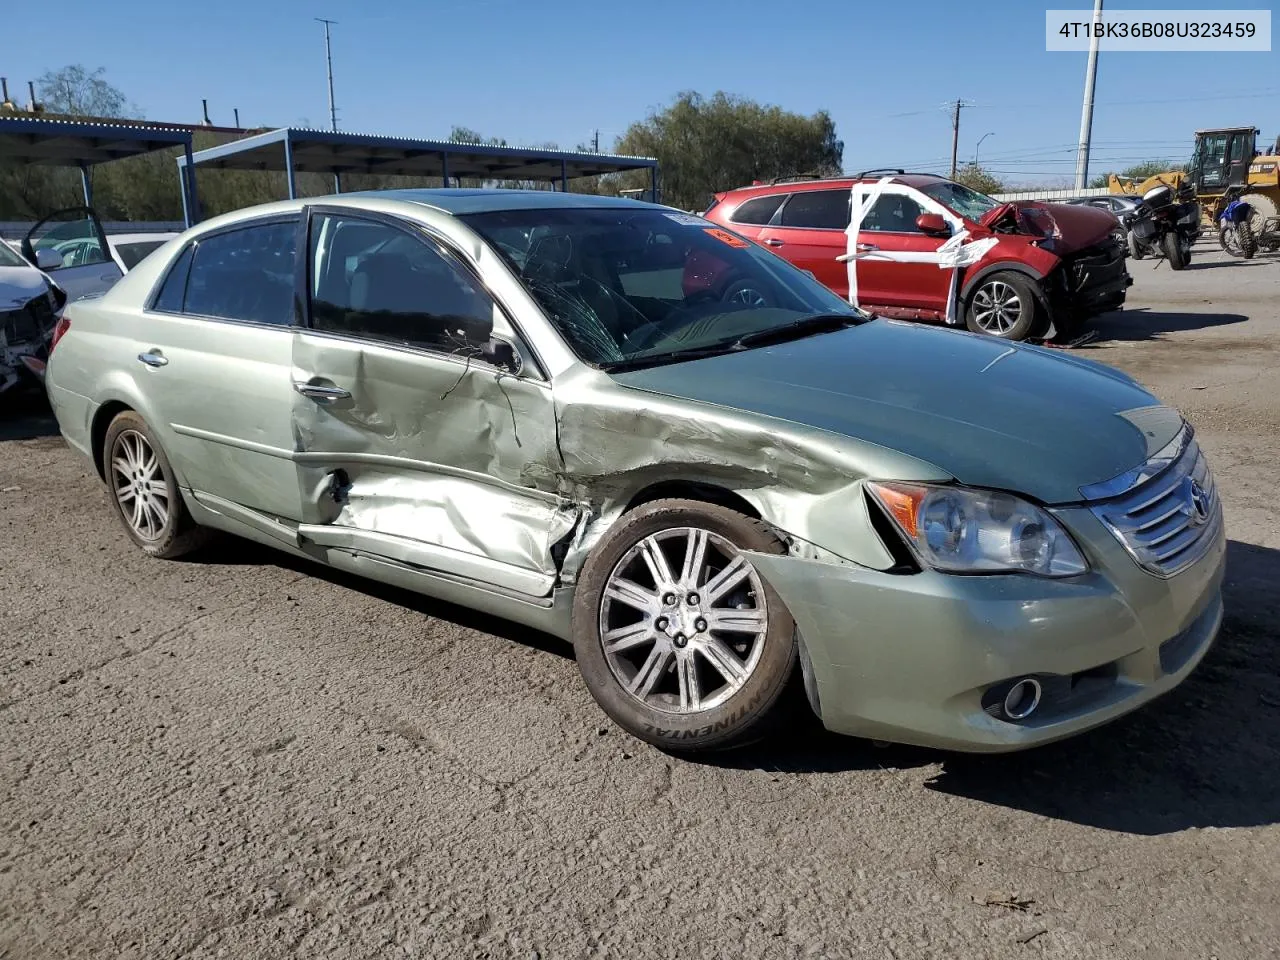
x: 245, y: 274
x: 174, y: 289
x: 758, y: 210
x: 818, y: 210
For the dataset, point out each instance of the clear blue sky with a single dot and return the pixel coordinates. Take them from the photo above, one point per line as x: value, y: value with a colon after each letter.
x: 555, y: 71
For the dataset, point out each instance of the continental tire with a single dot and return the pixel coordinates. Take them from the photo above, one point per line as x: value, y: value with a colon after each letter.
x: 1171, y: 244
x: 678, y: 638
x: 141, y: 485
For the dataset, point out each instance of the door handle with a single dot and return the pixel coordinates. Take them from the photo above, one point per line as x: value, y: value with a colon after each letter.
x: 866, y: 247
x: 773, y: 241
x: 153, y: 358
x: 320, y: 393
x: 108, y: 276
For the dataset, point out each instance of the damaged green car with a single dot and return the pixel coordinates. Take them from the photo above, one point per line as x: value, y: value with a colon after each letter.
x: 638, y: 431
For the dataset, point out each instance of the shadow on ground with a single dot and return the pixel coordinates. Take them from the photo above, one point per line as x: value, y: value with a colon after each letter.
x: 1205, y: 755
x: 1143, y: 324
x: 25, y: 415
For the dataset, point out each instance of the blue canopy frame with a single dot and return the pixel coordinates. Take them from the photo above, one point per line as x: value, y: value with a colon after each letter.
x: 84, y: 144
x: 294, y: 151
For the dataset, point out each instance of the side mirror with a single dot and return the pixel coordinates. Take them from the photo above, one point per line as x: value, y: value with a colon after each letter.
x: 933, y: 225
x: 49, y: 259
x: 504, y: 355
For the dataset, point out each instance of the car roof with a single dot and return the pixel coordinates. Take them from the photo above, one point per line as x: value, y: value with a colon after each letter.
x: 844, y: 183
x: 456, y: 201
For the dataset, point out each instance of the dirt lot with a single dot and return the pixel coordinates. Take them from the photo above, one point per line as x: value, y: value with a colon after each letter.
x: 245, y: 757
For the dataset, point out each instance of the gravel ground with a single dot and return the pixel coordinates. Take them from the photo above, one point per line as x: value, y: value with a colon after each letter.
x: 248, y: 757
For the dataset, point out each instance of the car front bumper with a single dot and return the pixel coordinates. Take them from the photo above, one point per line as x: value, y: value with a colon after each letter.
x: 908, y: 658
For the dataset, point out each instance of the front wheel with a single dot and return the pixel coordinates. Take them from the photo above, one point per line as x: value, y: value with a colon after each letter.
x: 1003, y: 305
x: 677, y: 636
x: 1175, y: 250
x: 1247, y: 242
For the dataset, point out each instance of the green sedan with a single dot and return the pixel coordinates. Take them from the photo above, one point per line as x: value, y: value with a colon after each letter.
x: 633, y: 429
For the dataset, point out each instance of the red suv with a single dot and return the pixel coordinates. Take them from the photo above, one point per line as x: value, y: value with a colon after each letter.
x: 1044, y: 270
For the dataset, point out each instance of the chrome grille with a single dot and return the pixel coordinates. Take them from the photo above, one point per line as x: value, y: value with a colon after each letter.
x: 1171, y: 520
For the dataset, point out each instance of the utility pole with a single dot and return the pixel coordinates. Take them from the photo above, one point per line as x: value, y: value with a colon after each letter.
x: 595, y: 141
x: 955, y: 134
x: 328, y: 56
x: 1086, y: 111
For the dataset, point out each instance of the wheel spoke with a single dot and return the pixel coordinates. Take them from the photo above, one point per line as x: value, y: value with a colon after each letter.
x: 155, y: 517
x: 695, y: 555
x: 736, y: 621
x: 136, y: 520
x: 687, y: 675
x: 656, y: 561
x: 120, y: 466
x: 632, y: 594
x: 735, y: 573
x: 724, y: 660
x: 157, y: 488
x: 650, y: 672
x: 125, y: 492
x: 625, y: 638
x: 150, y: 466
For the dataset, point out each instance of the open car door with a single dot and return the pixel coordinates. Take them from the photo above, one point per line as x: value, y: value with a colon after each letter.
x: 71, y: 246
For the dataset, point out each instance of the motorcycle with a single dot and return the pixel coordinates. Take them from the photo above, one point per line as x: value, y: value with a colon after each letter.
x: 1165, y: 224
x: 1235, y: 225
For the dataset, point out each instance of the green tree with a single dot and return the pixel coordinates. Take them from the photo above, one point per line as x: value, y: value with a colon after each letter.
x: 77, y: 92
x: 707, y: 144
x: 972, y: 175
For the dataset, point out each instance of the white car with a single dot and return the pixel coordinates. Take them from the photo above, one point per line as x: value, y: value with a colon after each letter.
x: 29, y: 305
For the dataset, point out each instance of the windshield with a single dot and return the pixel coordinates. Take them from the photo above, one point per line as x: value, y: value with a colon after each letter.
x: 625, y: 285
x: 9, y: 258
x: 970, y: 204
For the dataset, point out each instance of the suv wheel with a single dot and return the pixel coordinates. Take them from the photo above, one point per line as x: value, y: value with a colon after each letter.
x: 1003, y: 305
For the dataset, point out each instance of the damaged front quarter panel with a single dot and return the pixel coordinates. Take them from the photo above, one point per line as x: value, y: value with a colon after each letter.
x: 620, y: 445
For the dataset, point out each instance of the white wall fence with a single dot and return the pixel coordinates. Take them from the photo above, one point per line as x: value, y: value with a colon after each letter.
x: 1052, y: 195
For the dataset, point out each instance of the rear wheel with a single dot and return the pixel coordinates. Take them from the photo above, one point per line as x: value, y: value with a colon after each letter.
x: 141, y: 484
x: 1244, y: 235
x: 1175, y: 250
x: 1003, y: 305
x: 1135, y: 246
x: 677, y: 636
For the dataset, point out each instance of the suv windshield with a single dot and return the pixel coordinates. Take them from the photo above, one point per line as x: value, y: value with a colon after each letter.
x: 633, y: 286
x: 970, y: 204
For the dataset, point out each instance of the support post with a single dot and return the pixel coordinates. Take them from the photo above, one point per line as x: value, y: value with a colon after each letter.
x: 87, y: 185
x: 337, y: 181
x: 444, y: 168
x: 288, y: 166
x: 653, y: 183
x: 1086, y: 110
x: 190, y: 196
x: 564, y: 176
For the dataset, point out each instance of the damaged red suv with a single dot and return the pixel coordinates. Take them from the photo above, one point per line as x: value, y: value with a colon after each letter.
x: 1033, y: 271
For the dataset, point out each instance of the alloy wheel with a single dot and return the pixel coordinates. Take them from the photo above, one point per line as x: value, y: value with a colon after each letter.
x: 683, y: 620
x: 996, y: 307
x: 139, y: 486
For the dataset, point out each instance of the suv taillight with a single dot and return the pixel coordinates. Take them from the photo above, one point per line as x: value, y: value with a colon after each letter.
x: 61, y: 327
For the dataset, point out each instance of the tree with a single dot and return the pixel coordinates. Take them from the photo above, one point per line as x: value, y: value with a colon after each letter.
x: 704, y: 145
x: 77, y: 92
x: 972, y: 175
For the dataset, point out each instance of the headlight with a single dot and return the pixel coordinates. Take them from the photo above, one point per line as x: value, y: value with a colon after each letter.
x: 959, y: 530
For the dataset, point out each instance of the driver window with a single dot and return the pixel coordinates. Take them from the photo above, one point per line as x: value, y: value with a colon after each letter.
x: 893, y: 213
x: 76, y: 239
x: 376, y: 281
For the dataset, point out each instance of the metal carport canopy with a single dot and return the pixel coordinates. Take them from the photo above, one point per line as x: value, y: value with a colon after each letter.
x: 295, y: 151
x: 85, y: 143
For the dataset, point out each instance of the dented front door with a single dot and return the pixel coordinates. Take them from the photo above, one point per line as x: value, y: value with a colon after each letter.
x: 411, y: 446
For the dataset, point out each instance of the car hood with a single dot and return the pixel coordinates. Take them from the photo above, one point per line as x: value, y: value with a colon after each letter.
x: 18, y: 285
x: 988, y: 412
x: 1071, y: 226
